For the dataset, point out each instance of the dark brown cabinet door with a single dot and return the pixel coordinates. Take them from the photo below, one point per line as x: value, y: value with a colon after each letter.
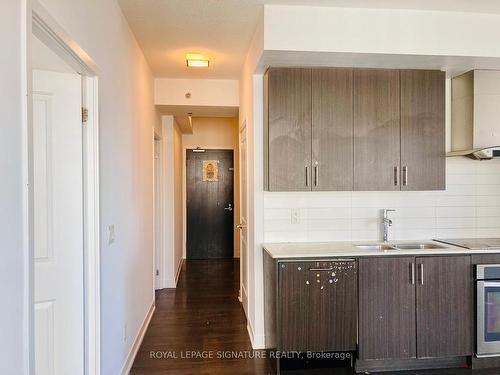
x: 317, y: 308
x: 332, y: 129
x: 288, y: 129
x: 376, y: 129
x: 444, y: 306
x: 423, y: 163
x: 386, y: 308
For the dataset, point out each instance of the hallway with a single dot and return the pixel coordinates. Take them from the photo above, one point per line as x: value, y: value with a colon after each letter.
x: 203, y: 315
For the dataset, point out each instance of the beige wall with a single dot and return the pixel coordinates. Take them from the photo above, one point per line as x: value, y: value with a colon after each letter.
x: 216, y: 133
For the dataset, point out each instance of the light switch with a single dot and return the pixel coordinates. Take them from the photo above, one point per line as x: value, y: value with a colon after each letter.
x: 111, y: 234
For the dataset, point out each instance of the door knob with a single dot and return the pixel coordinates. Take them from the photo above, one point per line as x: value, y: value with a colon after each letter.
x: 241, y: 226
x: 229, y: 208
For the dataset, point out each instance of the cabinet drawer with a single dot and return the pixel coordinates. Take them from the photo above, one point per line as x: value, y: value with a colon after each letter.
x: 317, y: 305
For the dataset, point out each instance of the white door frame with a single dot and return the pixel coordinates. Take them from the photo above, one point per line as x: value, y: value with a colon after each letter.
x: 158, y: 227
x: 46, y: 28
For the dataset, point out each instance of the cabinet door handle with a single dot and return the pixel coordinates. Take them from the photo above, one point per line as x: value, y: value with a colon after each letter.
x: 421, y: 269
x: 396, y: 176
x: 412, y: 273
x: 316, y: 175
x: 405, y: 175
x: 307, y: 175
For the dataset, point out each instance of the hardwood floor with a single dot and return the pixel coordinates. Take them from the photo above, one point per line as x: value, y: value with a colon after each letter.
x: 203, y: 315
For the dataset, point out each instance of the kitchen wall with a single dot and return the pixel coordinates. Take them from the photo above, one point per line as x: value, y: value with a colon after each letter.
x: 470, y: 207
x: 308, y: 33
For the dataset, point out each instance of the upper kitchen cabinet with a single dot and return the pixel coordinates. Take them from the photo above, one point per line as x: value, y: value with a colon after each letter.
x: 423, y: 163
x: 376, y: 129
x: 332, y: 129
x: 287, y: 114
x: 354, y: 129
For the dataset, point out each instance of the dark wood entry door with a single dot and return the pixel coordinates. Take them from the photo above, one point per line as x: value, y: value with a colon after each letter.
x: 210, y: 204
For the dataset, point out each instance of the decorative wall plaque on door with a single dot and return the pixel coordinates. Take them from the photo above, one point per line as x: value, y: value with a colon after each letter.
x: 210, y: 170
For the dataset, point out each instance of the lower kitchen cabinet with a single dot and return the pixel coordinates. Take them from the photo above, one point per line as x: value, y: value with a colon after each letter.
x: 415, y: 308
x: 386, y: 308
x: 310, y: 305
x: 444, y: 306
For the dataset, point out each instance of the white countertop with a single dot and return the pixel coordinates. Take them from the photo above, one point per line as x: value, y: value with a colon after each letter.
x: 348, y: 249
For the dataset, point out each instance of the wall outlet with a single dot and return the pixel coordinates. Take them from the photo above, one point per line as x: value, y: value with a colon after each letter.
x: 111, y: 234
x: 295, y: 219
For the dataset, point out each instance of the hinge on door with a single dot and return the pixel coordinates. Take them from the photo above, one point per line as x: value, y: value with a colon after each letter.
x: 157, y: 272
x: 85, y: 115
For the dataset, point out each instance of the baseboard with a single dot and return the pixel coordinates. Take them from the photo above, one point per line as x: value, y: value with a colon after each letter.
x: 485, y: 362
x: 364, y: 366
x: 178, y: 271
x: 138, y: 341
x: 250, y: 332
x: 257, y: 341
x: 244, y: 299
x: 171, y: 283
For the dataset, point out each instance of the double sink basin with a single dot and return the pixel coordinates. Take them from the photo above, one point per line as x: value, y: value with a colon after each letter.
x: 400, y: 246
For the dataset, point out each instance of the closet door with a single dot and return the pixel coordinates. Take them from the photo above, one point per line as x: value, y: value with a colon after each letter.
x: 332, y: 129
x: 376, y: 129
x: 288, y: 128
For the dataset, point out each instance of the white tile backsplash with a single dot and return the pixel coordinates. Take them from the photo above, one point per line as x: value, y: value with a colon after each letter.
x: 470, y: 207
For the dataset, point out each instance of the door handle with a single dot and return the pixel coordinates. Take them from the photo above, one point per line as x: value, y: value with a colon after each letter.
x: 307, y: 175
x: 412, y: 273
x: 229, y: 208
x: 241, y: 226
x: 421, y: 269
x: 396, y: 176
x: 405, y: 175
x: 316, y: 175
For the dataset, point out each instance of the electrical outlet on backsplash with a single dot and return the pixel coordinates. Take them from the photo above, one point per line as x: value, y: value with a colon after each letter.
x: 470, y: 207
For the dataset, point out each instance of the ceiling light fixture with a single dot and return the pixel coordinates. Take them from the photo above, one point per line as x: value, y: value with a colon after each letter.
x: 196, y: 60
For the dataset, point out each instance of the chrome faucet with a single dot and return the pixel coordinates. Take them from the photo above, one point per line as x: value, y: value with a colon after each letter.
x: 387, y: 223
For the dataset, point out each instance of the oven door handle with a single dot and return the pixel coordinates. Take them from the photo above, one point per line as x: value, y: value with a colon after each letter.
x: 486, y: 284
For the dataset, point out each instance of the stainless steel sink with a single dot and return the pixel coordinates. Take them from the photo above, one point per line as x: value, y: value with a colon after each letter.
x: 375, y: 247
x: 418, y: 246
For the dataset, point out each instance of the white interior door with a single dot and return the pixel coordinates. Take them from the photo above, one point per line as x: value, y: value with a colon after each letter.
x: 243, y: 225
x: 58, y: 223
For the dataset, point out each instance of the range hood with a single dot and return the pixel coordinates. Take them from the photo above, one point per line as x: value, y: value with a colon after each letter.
x: 475, y: 115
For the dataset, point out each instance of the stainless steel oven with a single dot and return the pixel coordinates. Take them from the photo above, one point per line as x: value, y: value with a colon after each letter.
x: 488, y: 310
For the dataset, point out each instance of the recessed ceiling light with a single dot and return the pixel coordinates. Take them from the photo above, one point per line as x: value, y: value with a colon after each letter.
x: 196, y: 60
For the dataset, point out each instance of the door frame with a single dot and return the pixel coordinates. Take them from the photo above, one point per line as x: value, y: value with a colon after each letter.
x: 184, y: 190
x: 41, y: 24
x: 158, y: 227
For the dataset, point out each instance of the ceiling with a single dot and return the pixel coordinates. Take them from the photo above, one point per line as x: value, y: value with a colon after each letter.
x: 168, y: 29
x: 222, y: 29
